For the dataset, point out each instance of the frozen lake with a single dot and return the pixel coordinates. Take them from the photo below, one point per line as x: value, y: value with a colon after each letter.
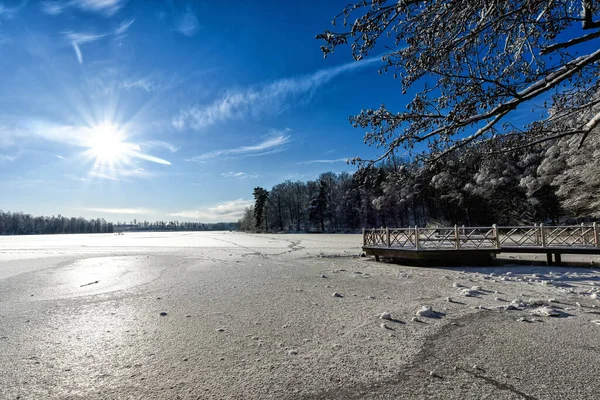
x: 253, y: 316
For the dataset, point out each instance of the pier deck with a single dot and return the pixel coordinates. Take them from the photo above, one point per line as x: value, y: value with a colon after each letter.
x: 479, y: 245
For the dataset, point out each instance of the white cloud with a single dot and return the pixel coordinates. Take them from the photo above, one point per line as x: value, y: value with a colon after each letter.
x: 8, y: 157
x: 160, y: 144
x: 10, y: 12
x: 238, y: 175
x: 53, y: 7
x: 105, y: 7
x: 123, y: 27
x: 188, y: 24
x: 337, y: 160
x: 79, y: 38
x: 229, y: 211
x: 258, y: 101
x: 146, y: 84
x: 274, y: 144
x: 124, y: 211
x: 118, y: 174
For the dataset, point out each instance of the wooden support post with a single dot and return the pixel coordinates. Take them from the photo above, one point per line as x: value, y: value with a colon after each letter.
x: 416, y: 237
x: 376, y: 257
x: 543, y: 236
x: 548, y: 258
x: 496, y: 237
x: 557, y: 260
x: 596, y: 237
x: 364, y: 237
x: 456, y: 237
x: 387, y: 236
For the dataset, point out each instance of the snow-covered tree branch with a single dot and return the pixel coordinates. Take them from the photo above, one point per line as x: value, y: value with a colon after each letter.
x: 467, y: 66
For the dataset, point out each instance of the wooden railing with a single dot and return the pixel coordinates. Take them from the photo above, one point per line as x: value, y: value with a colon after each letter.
x: 492, y: 237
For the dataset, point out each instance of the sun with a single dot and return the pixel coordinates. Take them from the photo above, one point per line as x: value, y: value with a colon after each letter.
x: 106, y: 144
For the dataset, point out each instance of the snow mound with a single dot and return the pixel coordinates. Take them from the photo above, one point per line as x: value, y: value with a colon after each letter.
x: 469, y: 292
x: 537, y: 302
x: 545, y: 311
x: 518, y: 303
x: 427, y: 312
x: 386, y: 315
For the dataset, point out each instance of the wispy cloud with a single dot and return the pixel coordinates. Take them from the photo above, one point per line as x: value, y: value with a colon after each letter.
x: 123, y: 211
x: 160, y: 144
x: 123, y: 27
x: 105, y: 7
x: 10, y: 12
x: 229, y: 211
x: 238, y: 175
x: 188, y: 24
x: 263, y: 99
x: 274, y: 144
x: 8, y: 157
x: 79, y: 38
x: 337, y: 160
x: 146, y: 84
x: 119, y: 174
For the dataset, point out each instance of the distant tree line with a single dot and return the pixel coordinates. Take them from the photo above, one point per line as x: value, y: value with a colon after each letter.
x: 172, y: 226
x: 18, y: 223
x: 553, y: 182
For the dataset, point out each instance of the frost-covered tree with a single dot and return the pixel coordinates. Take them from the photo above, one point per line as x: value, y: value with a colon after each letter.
x: 574, y: 172
x: 469, y: 65
x: 260, y: 198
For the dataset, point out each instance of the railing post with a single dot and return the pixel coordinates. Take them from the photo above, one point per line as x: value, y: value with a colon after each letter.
x: 496, y: 237
x: 387, y: 236
x: 416, y: 237
x: 456, y: 237
x: 543, y: 234
x: 582, y: 235
x: 596, y: 241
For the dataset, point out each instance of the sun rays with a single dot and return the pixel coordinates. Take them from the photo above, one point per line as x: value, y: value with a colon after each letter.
x: 112, y: 152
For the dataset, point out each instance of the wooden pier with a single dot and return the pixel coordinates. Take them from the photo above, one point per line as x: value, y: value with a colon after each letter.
x: 480, y: 245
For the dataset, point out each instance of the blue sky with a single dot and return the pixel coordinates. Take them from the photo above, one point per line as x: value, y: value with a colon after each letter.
x: 165, y: 110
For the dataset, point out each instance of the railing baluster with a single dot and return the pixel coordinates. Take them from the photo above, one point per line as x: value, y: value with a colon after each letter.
x: 416, y: 237
x: 456, y: 237
x: 543, y: 235
x: 496, y: 236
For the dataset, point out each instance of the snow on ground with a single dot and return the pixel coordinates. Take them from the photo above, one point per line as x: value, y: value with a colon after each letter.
x: 232, y: 315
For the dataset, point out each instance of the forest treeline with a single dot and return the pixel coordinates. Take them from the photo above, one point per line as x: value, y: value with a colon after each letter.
x: 18, y: 223
x: 554, y: 182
